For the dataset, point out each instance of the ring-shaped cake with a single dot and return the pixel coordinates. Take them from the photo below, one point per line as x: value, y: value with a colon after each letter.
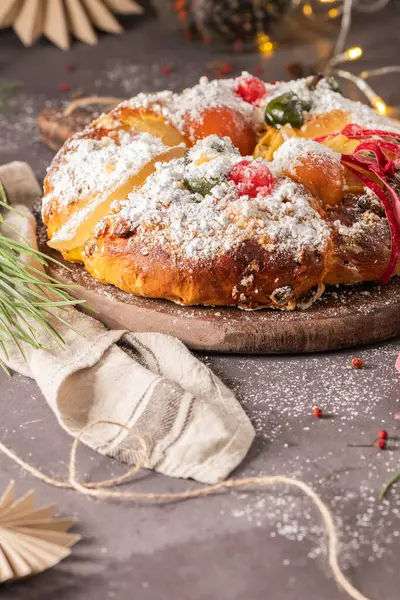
x: 233, y: 192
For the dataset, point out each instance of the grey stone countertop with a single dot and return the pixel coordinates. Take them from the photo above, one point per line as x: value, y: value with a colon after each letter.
x: 250, y: 544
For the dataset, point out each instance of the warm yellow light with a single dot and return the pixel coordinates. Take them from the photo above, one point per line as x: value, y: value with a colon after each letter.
x: 354, y: 53
x: 265, y: 45
x: 327, y: 1
x: 379, y: 106
x: 307, y: 10
x: 333, y: 13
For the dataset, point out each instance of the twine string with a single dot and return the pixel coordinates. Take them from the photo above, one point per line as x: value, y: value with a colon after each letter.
x: 99, y: 490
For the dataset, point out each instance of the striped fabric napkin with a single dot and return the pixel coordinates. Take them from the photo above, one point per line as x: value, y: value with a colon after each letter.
x: 191, y: 423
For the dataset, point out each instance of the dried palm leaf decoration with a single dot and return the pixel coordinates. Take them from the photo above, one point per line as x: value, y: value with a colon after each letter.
x: 31, y: 539
x: 58, y: 20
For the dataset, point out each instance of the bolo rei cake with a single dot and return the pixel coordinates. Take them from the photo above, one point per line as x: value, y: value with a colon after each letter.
x: 233, y: 192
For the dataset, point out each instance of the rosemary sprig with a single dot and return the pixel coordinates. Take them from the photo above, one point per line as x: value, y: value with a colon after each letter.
x: 6, y: 91
x: 29, y: 299
x: 388, y: 485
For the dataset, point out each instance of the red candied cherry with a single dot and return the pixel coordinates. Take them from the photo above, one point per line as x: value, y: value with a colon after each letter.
x: 383, y: 435
x: 252, y: 178
x: 317, y: 412
x: 250, y: 88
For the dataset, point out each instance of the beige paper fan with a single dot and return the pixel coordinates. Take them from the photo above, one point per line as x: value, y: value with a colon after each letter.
x: 31, y: 540
x: 59, y: 19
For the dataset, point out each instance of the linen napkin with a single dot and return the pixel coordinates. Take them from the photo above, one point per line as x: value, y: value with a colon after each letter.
x: 192, y: 424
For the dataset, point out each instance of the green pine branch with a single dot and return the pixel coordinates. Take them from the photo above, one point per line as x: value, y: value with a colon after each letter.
x: 29, y: 299
x: 388, y: 485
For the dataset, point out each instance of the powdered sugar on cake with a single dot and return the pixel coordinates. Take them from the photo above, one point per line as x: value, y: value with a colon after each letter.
x: 324, y: 99
x: 190, y: 104
x: 296, y: 150
x: 201, y: 227
x: 87, y: 166
x: 190, y: 205
x: 176, y: 108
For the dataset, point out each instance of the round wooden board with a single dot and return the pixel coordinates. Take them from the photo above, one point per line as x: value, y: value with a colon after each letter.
x: 344, y: 317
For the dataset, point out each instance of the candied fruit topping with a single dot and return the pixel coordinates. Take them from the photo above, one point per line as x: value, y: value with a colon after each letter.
x: 201, y: 185
x: 250, y: 88
x: 252, y: 178
x: 286, y: 109
x: 222, y: 121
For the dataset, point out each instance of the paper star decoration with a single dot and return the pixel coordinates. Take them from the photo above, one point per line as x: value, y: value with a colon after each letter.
x: 31, y: 540
x: 59, y: 19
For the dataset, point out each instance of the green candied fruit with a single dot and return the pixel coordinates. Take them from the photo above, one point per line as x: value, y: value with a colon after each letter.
x: 286, y: 109
x: 200, y: 185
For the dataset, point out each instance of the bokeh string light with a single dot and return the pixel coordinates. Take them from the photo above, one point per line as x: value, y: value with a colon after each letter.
x: 252, y: 21
x: 340, y: 55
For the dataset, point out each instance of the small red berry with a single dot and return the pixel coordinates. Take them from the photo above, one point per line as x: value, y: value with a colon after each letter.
x: 250, y: 88
x: 381, y: 444
x: 317, y: 412
x: 252, y: 178
x: 165, y: 69
x: 64, y: 86
x: 383, y: 435
x: 69, y: 68
x: 357, y: 363
x: 258, y: 71
x: 227, y: 68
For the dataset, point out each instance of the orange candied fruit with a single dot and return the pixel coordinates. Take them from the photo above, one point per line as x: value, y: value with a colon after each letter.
x: 223, y: 121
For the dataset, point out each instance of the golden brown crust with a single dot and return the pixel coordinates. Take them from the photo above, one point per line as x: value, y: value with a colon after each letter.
x: 248, y: 276
x: 360, y: 240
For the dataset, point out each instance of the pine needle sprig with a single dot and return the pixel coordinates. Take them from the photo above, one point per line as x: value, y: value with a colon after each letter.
x: 30, y: 300
x: 388, y: 485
